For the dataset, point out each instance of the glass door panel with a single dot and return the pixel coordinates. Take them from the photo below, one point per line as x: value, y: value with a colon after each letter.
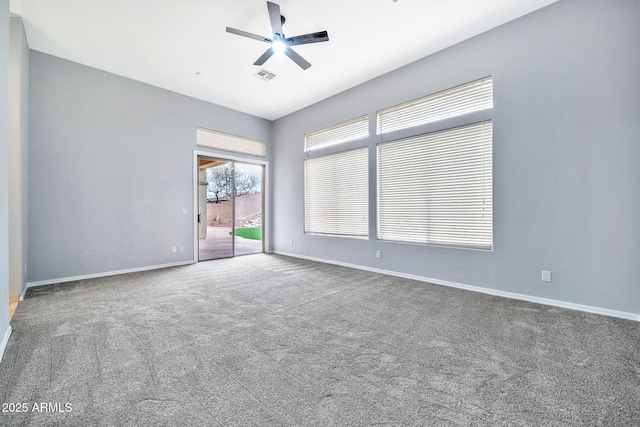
x: 248, y: 208
x: 216, y: 209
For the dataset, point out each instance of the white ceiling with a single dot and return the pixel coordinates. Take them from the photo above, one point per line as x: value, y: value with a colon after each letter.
x: 167, y: 42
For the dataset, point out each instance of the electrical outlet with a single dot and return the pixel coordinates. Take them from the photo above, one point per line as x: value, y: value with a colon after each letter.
x: 378, y: 254
x: 290, y: 242
x: 181, y: 249
x: 546, y: 276
x: 173, y: 249
x: 184, y: 210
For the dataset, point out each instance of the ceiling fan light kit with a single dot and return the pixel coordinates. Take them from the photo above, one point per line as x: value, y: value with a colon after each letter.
x: 280, y: 43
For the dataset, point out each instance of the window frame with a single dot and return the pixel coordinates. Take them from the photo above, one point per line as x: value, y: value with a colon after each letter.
x: 477, y: 96
x: 347, y: 131
x: 366, y: 211
x: 477, y: 199
x: 432, y: 127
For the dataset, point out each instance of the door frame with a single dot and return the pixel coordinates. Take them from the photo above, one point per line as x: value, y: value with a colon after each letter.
x: 266, y: 217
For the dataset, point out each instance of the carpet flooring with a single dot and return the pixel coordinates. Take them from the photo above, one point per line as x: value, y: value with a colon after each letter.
x: 270, y: 340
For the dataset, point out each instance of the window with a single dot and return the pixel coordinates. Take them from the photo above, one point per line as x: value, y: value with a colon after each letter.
x: 463, y: 99
x: 436, y: 188
x: 226, y: 142
x: 337, y: 193
x: 350, y: 130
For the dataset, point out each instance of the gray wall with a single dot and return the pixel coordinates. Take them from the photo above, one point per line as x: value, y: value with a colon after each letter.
x: 18, y: 155
x: 4, y: 176
x: 110, y: 169
x: 566, y: 155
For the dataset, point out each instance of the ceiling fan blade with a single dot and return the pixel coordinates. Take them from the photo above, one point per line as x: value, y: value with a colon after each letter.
x: 274, y: 16
x: 249, y: 35
x: 265, y: 56
x: 297, y: 58
x: 321, y: 36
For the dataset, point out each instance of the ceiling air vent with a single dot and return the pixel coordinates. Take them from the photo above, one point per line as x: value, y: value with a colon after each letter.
x: 264, y: 74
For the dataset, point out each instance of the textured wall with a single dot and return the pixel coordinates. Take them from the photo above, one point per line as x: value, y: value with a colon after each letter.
x: 566, y: 155
x: 111, y: 167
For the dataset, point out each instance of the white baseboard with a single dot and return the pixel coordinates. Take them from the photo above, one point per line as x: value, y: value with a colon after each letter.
x: 97, y: 275
x: 5, y: 341
x: 489, y: 291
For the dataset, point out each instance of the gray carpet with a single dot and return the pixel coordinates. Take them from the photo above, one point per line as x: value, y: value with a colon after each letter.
x: 269, y: 340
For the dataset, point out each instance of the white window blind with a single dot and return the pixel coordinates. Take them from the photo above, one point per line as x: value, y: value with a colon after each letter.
x: 226, y: 142
x: 337, y: 193
x: 342, y: 132
x: 463, y: 99
x: 436, y: 188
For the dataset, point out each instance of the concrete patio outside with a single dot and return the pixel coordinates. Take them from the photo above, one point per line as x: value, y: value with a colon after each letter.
x: 218, y: 244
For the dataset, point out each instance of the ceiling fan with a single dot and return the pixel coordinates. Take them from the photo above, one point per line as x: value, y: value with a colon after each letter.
x: 280, y: 43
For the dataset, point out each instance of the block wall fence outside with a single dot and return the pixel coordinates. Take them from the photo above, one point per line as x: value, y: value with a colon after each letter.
x: 247, y: 207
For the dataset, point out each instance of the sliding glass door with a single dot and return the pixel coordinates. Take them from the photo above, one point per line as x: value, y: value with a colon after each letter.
x: 230, y: 208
